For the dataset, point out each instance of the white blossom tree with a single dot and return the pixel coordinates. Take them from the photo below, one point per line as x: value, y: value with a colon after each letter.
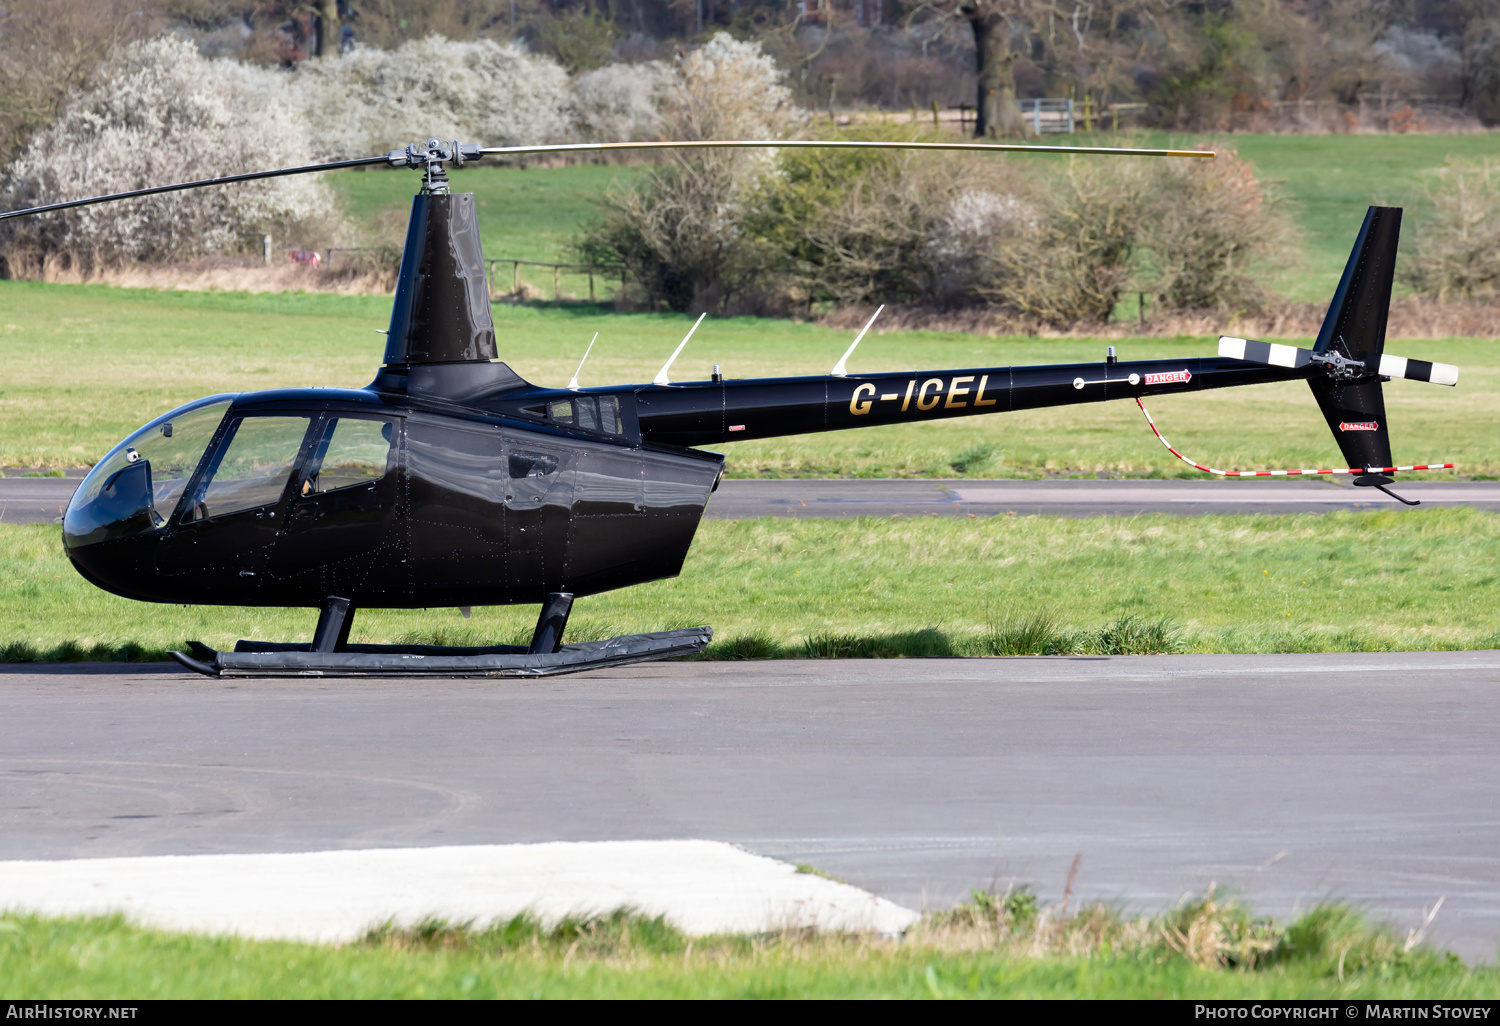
x: 161, y: 114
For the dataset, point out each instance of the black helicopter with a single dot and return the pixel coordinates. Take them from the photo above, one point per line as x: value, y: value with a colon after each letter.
x: 451, y: 481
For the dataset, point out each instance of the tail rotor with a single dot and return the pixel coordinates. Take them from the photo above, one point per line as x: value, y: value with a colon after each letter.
x: 1350, y: 351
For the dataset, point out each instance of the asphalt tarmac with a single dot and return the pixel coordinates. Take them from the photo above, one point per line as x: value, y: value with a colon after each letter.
x: 1290, y: 779
x: 743, y: 499
x: 34, y: 500
x: 31, y: 500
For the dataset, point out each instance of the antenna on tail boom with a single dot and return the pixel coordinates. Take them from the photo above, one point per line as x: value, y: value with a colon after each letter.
x: 839, y: 370
x: 573, y: 381
x: 661, y: 375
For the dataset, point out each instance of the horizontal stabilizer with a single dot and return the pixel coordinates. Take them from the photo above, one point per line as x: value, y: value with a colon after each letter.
x: 1277, y: 355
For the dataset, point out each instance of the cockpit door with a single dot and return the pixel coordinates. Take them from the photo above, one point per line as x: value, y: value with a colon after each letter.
x: 340, y: 516
x: 223, y: 536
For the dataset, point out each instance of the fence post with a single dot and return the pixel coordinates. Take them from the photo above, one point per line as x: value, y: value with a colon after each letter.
x: 935, y: 125
x: 556, y: 273
x: 515, y: 277
x: 591, y: 284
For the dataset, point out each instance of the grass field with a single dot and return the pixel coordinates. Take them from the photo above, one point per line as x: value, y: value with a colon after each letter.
x: 85, y: 365
x: 1328, y: 179
x: 996, y: 948
x: 1409, y: 580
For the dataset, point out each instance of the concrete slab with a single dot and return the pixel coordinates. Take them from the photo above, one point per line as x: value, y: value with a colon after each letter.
x: 702, y: 887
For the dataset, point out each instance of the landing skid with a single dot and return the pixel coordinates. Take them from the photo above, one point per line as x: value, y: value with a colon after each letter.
x: 267, y: 659
x: 331, y: 655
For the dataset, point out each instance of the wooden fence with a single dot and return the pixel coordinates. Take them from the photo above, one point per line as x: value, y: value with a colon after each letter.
x: 557, y: 272
x: 593, y: 273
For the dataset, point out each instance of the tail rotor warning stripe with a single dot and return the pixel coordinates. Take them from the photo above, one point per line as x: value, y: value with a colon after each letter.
x: 1418, y: 370
x: 1271, y: 353
x: 1280, y: 473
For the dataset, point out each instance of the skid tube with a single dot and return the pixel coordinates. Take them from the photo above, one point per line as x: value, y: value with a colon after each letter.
x: 269, y: 659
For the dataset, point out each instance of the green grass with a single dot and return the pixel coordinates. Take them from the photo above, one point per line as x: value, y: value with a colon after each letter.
x: 527, y: 214
x: 1423, y: 579
x: 85, y: 365
x: 1329, y: 180
x: 996, y: 946
x: 530, y: 214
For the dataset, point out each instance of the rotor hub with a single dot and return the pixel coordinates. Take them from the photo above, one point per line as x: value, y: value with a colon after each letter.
x: 1339, y: 366
x: 432, y: 157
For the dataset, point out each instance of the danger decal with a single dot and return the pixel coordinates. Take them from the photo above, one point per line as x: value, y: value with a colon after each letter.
x: 1168, y: 377
x: 1359, y: 425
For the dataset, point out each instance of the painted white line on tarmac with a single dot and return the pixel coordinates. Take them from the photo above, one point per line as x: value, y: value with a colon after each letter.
x: 702, y: 887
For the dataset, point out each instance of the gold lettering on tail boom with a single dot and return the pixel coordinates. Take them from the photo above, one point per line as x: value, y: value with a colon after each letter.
x: 923, y: 403
x: 928, y: 396
x: 979, y: 399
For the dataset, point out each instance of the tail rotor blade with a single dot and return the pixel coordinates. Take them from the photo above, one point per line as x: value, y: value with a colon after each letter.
x: 1274, y: 354
x: 1418, y: 370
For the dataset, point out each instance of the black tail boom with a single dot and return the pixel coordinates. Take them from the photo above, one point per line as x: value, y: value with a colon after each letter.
x: 710, y: 413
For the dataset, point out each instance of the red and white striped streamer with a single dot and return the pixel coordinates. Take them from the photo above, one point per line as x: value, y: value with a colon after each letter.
x: 1280, y: 473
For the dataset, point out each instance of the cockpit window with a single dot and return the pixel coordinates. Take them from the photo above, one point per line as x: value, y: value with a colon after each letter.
x: 251, y: 467
x: 351, y: 451
x: 137, y: 485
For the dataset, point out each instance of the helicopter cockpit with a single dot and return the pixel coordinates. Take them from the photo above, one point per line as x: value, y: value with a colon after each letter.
x: 138, y: 483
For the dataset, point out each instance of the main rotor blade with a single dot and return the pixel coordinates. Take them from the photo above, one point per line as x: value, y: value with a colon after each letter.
x: 841, y: 144
x: 225, y: 180
x: 689, y: 144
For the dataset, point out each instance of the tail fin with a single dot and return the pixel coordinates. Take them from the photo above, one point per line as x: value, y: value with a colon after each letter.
x: 1354, y: 329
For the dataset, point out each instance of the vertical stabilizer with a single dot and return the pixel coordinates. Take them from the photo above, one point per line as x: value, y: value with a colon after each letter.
x: 1354, y: 329
x: 1355, y: 325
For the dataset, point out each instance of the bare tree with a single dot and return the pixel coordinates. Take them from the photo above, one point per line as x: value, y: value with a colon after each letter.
x: 997, y: 112
x: 51, y: 48
x: 326, y: 28
x: 1480, y: 50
